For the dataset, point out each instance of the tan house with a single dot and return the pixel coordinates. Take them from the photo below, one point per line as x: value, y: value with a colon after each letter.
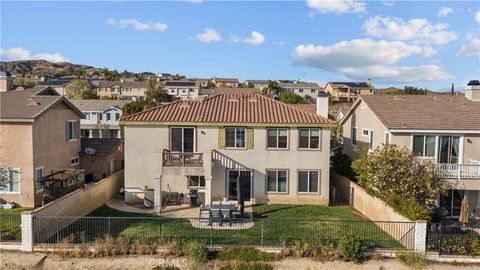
x: 39, y: 137
x: 280, y: 153
x: 183, y: 89
x: 348, y: 91
x: 442, y: 128
x: 101, y: 157
x: 6, y: 81
x: 301, y: 88
x: 225, y: 82
x: 131, y: 90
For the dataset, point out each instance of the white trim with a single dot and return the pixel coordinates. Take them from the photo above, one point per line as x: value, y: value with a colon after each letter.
x: 368, y: 132
x: 41, y: 189
x: 76, y: 163
x: 430, y: 131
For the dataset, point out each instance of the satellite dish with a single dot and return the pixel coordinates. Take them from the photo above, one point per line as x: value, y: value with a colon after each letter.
x: 90, y: 151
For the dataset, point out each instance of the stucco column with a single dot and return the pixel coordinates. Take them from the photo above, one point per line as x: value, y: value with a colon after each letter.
x: 27, y: 231
x: 208, y: 190
x: 157, y: 194
x: 207, y: 166
x: 420, y: 239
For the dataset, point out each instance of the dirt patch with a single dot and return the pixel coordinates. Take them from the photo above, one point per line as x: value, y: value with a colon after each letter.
x: 21, y: 260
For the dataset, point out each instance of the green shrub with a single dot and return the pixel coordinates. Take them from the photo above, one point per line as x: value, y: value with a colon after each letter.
x: 414, y: 260
x: 196, y: 251
x: 408, y: 208
x: 302, y: 248
x: 247, y: 266
x: 245, y: 254
x: 325, y: 253
x: 352, y: 248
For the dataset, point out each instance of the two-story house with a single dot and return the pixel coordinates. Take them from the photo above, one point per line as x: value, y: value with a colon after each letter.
x: 258, y: 84
x: 39, y: 137
x: 300, y: 88
x: 225, y: 82
x: 348, y: 91
x: 102, y: 117
x: 442, y: 128
x: 124, y: 89
x: 183, y: 89
x: 279, y: 154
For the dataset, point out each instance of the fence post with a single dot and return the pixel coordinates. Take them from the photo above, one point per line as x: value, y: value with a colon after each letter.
x: 27, y: 231
x: 420, y: 239
x: 261, y: 239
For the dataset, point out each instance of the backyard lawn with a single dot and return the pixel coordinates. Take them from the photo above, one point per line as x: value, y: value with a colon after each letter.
x: 10, y: 220
x: 274, y: 225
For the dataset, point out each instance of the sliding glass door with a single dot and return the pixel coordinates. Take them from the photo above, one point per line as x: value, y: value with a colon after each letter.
x: 452, y: 202
x: 182, y: 139
x: 448, y: 149
x: 233, y: 177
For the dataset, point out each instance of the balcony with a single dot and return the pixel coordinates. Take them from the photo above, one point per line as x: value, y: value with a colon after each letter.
x: 171, y: 159
x: 458, y: 171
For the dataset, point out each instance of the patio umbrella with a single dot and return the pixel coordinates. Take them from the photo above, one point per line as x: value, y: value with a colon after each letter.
x: 464, y: 211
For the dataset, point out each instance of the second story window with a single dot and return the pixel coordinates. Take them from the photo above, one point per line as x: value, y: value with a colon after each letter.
x: 424, y: 145
x: 72, y: 130
x: 277, y: 138
x: 300, y: 90
x: 309, y: 138
x: 235, y: 137
x: 117, y: 116
x: 354, y: 136
x: 108, y: 116
x: 313, y: 90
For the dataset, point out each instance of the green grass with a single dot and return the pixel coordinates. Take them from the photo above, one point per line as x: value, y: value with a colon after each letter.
x: 10, y: 222
x: 274, y: 225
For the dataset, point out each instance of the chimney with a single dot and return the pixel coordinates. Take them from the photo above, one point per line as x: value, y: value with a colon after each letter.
x: 322, y: 104
x: 31, y: 102
x: 472, y: 90
x: 369, y: 82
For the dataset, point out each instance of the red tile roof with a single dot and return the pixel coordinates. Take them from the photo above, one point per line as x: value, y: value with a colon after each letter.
x: 229, y: 108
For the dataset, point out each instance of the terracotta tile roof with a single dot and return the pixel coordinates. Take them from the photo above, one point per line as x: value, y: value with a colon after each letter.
x: 229, y: 108
x: 226, y: 80
x: 310, y: 108
x: 425, y: 112
x: 219, y: 91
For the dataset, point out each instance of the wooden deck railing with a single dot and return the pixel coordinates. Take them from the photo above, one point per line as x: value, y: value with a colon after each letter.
x: 458, y: 171
x: 182, y: 159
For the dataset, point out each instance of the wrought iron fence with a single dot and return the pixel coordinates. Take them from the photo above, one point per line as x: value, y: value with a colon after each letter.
x: 453, y: 239
x: 243, y: 232
x: 10, y: 227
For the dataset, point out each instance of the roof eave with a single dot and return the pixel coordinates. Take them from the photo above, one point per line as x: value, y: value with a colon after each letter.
x: 143, y: 123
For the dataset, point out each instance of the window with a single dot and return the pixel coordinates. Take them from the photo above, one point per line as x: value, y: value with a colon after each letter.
x: 72, y: 130
x: 424, y: 145
x: 100, y: 116
x: 387, y: 138
x: 309, y: 138
x: 109, y: 116
x: 117, y: 116
x: 196, y: 181
x: 277, y: 138
x: 74, y: 161
x: 12, y: 177
x: 113, y: 133
x: 313, y: 90
x: 354, y: 136
x: 182, y: 139
x: 308, y: 181
x: 88, y: 116
x: 38, y: 179
x: 277, y: 180
x: 370, y: 141
x: 365, y: 132
x: 235, y: 137
x: 192, y: 90
x: 300, y: 90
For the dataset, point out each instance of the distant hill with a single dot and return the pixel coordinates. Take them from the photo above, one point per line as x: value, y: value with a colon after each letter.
x: 42, y: 67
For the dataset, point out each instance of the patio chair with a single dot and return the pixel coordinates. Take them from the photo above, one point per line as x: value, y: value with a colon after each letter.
x: 204, y: 211
x: 237, y: 213
x: 226, y: 215
x: 215, y: 216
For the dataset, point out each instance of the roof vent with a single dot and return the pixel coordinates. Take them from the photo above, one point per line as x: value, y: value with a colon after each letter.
x: 184, y: 105
x: 233, y: 99
x: 31, y: 102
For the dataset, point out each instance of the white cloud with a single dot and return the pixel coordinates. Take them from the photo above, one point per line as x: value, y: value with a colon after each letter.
x: 414, y: 30
x: 444, y: 12
x: 388, y: 3
x: 472, y: 48
x: 255, y: 38
x: 138, y: 25
x: 19, y: 53
x: 337, y: 6
x: 208, y: 35
x: 477, y: 16
x: 366, y: 58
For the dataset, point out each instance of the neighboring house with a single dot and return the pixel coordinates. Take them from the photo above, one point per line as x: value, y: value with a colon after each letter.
x: 258, y: 84
x: 300, y: 88
x: 124, y: 89
x: 39, y: 137
x: 348, y: 91
x: 442, y: 128
x: 101, y: 117
x: 101, y: 157
x: 183, y: 89
x: 6, y: 81
x: 225, y: 82
x: 57, y: 84
x: 203, y: 82
x: 279, y: 153
x: 219, y: 91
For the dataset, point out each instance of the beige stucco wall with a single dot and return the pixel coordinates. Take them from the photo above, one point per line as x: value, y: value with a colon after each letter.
x: 362, y: 118
x: 99, y: 164
x: 148, y: 142
x: 16, y: 151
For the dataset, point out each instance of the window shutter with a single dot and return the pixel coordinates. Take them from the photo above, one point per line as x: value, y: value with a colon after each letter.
x: 77, y: 129
x: 66, y: 131
x: 249, y: 138
x: 221, y: 138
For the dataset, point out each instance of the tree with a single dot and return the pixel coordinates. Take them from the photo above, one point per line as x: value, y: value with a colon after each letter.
x: 80, y: 89
x: 136, y: 107
x: 309, y: 99
x: 155, y: 93
x: 272, y: 88
x: 390, y: 171
x: 24, y: 82
x: 210, y: 85
x: 292, y: 98
x: 178, y: 77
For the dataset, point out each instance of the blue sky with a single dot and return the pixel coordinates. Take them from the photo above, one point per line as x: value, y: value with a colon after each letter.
x: 395, y: 43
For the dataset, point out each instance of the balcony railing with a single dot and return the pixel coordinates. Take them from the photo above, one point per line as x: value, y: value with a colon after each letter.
x: 182, y: 159
x: 458, y: 171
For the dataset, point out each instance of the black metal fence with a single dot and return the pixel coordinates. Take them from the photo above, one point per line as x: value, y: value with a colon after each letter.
x: 10, y: 227
x: 453, y: 239
x: 243, y: 232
